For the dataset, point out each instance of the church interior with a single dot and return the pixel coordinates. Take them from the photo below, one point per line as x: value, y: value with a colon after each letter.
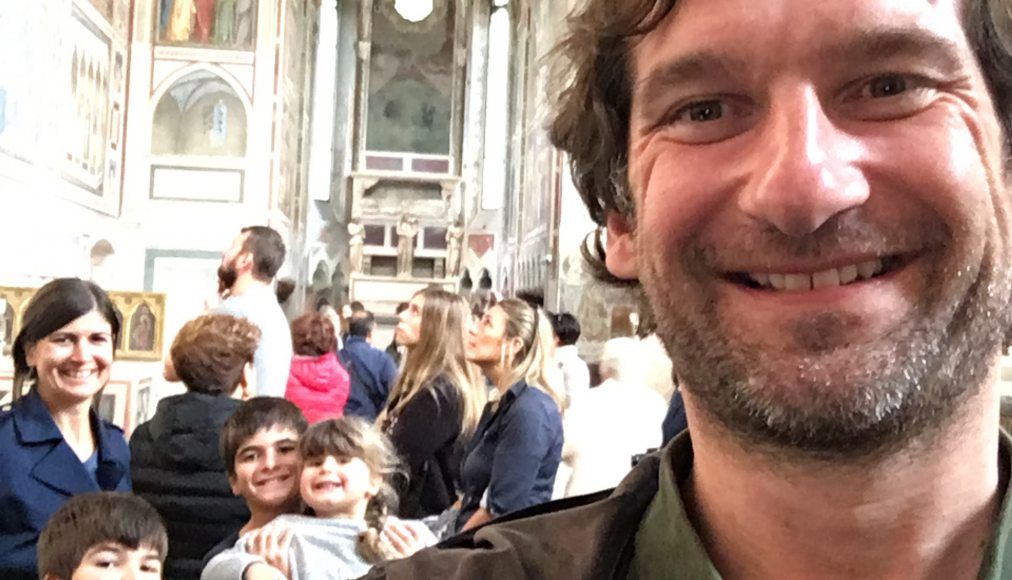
x: 395, y: 144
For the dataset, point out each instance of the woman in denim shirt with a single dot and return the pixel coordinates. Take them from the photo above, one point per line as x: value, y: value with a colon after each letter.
x: 512, y: 459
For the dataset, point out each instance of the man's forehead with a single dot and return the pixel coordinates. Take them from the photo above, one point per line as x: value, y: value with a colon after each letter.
x: 735, y: 27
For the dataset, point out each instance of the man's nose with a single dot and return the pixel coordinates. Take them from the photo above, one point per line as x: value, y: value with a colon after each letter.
x: 806, y: 169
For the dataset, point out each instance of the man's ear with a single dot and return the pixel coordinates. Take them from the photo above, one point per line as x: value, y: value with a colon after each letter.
x: 621, y: 248
x: 244, y: 261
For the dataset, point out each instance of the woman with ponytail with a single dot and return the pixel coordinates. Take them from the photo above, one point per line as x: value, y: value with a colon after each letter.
x: 435, y: 404
x: 345, y: 484
x: 512, y: 459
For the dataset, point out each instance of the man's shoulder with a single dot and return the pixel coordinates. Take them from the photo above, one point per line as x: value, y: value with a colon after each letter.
x: 589, y: 537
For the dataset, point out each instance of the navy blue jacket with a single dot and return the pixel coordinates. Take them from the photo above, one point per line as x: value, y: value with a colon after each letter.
x: 372, y: 373
x: 513, y: 455
x: 39, y: 472
x: 675, y: 421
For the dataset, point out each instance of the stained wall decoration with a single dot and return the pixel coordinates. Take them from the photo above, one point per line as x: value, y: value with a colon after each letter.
x: 410, y: 100
x: 223, y: 24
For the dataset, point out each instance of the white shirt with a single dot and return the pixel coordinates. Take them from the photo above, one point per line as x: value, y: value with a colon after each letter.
x: 575, y: 374
x: 604, y: 430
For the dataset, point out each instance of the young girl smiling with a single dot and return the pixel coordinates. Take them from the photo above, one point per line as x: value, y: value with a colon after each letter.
x: 345, y: 484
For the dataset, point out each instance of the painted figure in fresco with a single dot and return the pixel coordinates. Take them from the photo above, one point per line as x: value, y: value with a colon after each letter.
x: 224, y: 23
x: 203, y: 21
x: 181, y: 23
x: 407, y: 229
x: 142, y: 329
x: 245, y: 13
x: 165, y: 17
x: 355, y: 243
x: 454, y: 240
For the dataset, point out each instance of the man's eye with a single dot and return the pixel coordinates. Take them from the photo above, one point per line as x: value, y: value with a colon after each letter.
x: 286, y: 450
x: 701, y: 112
x: 886, y: 86
x: 248, y: 457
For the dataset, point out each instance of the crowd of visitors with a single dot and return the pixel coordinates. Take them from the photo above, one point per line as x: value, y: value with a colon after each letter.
x: 360, y: 461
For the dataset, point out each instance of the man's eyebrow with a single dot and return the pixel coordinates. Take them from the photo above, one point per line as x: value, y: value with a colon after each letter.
x: 684, y: 70
x: 883, y: 43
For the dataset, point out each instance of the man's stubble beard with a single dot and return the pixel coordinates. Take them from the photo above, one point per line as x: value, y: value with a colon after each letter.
x: 905, y: 386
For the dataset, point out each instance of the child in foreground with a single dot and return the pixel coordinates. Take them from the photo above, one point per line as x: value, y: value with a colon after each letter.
x: 103, y: 536
x: 345, y: 484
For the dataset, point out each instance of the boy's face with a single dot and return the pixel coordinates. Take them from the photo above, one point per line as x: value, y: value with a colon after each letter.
x: 118, y: 562
x: 267, y: 468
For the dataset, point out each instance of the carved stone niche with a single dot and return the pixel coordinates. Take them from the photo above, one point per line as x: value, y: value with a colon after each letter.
x: 394, y: 196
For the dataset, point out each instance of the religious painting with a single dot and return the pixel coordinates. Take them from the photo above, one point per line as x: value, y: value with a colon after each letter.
x: 142, y: 327
x: 13, y: 302
x: 90, y: 80
x: 223, y: 24
x: 411, y: 80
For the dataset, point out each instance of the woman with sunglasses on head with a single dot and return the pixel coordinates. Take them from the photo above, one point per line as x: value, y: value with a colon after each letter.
x: 52, y: 443
x: 515, y: 452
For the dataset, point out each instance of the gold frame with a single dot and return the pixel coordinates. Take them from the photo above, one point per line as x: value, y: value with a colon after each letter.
x: 127, y: 303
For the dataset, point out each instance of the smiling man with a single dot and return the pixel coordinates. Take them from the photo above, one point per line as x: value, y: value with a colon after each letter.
x: 815, y: 198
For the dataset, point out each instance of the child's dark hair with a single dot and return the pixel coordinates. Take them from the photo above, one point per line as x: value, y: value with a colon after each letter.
x: 253, y: 416
x: 92, y: 519
x: 354, y: 437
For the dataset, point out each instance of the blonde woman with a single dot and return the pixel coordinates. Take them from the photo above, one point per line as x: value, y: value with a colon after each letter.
x: 512, y: 459
x: 436, y: 403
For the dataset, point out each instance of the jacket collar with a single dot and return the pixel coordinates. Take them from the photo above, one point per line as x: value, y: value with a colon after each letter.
x: 59, y: 467
x: 33, y: 421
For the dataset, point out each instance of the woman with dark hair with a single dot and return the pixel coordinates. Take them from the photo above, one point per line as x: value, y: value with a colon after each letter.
x: 177, y: 465
x: 317, y: 383
x: 436, y: 402
x: 52, y: 443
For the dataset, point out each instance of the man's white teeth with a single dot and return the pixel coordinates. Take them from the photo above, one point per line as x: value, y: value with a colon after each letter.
x: 824, y: 279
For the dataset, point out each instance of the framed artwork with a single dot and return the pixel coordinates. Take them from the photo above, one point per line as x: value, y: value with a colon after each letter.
x: 111, y: 403
x: 142, y: 404
x: 13, y: 302
x: 143, y: 323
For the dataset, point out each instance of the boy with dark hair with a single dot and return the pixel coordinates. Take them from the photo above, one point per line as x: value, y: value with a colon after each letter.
x: 259, y: 446
x: 102, y: 536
